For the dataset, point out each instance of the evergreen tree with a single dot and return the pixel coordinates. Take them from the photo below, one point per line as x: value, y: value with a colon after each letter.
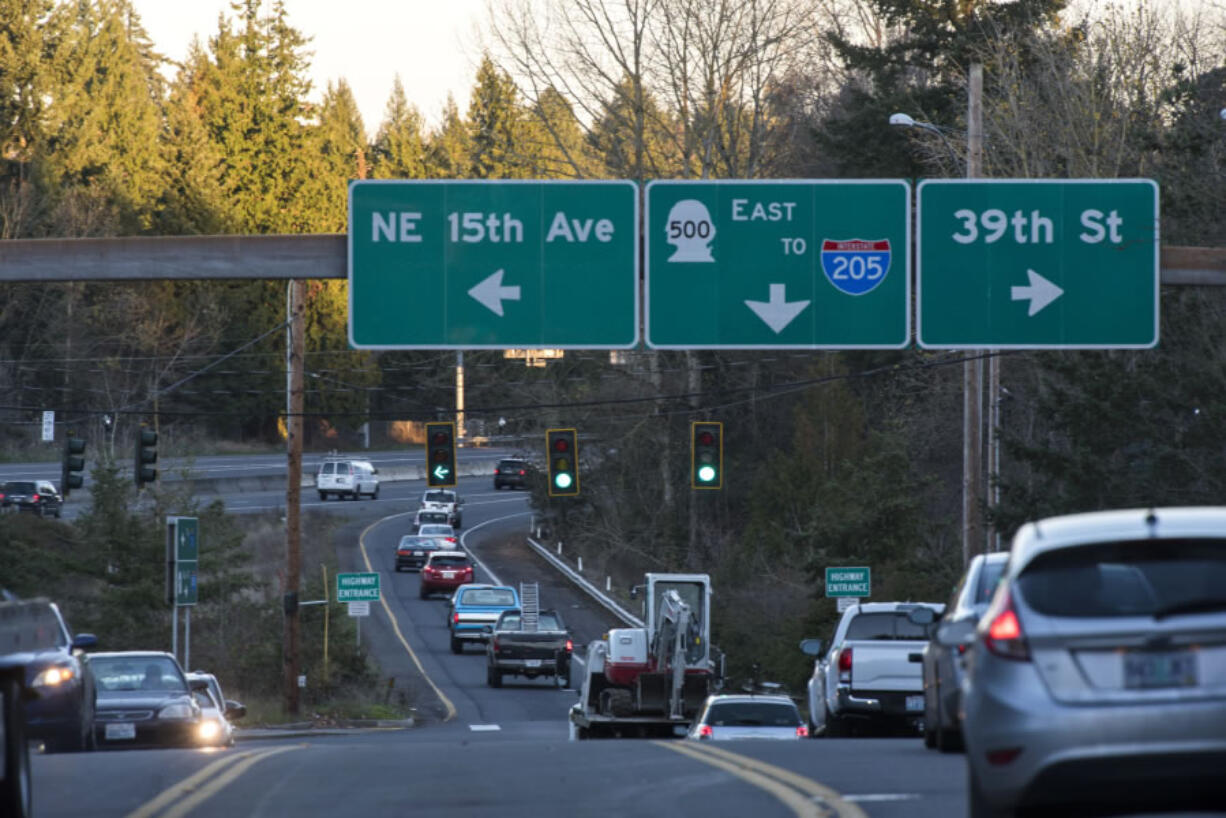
x: 500, y: 141
x: 399, y: 151
x: 450, y: 147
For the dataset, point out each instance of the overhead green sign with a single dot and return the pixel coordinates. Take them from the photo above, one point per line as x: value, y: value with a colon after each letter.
x: 852, y: 582
x: 466, y: 264
x: 361, y: 587
x: 1037, y: 263
x: 778, y: 264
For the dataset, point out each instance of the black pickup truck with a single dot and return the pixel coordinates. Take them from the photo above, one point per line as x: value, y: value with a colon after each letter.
x: 512, y: 650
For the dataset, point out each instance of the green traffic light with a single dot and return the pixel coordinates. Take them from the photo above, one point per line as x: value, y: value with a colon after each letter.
x: 562, y: 480
x: 706, y: 474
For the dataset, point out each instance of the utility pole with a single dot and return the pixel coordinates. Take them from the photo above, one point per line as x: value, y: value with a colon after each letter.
x: 972, y: 371
x: 460, y: 432
x: 293, y: 491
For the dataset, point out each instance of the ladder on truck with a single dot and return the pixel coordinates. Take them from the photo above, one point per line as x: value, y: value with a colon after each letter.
x: 529, y: 606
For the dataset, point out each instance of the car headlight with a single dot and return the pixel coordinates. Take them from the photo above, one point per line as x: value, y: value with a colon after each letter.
x: 176, y: 711
x: 54, y: 676
x: 209, y: 729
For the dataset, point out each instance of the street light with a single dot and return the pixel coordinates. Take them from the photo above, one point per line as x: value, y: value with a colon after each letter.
x: 901, y: 120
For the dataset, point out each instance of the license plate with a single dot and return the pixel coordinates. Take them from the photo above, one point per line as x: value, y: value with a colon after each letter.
x: 532, y: 663
x: 915, y: 704
x: 1153, y: 669
x: 418, y: 553
x: 449, y: 575
x: 120, y: 730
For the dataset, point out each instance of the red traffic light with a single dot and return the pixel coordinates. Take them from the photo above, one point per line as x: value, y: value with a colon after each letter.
x: 561, y: 444
x: 440, y: 438
x: 706, y: 438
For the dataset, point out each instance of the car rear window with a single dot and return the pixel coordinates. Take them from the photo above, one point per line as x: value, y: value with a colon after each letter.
x: 448, y: 562
x: 437, y: 530
x: 886, y: 625
x: 418, y: 542
x: 1132, y: 578
x: 511, y: 465
x: 19, y: 487
x: 752, y: 714
x: 439, y: 497
x: 487, y: 596
x: 989, y: 578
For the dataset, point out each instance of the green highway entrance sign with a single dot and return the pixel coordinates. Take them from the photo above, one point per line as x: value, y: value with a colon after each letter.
x: 463, y: 264
x: 183, y: 554
x: 1035, y: 263
x: 363, y: 587
x: 849, y: 582
x: 778, y: 264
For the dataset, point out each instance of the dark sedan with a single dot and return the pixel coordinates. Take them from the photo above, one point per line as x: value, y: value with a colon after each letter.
x: 61, y: 713
x: 413, y: 551
x: 144, y: 700
x: 35, y: 496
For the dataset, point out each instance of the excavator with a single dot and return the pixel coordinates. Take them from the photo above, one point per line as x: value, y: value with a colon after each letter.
x: 649, y: 682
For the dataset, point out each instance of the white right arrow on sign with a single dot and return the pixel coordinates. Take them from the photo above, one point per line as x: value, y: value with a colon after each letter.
x: 1040, y: 292
x: 778, y: 312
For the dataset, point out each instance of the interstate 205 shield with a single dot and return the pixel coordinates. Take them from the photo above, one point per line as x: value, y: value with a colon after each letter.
x: 855, y: 266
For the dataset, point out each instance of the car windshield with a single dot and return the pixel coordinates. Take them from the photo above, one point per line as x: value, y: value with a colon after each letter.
x: 440, y: 497
x: 156, y: 673
x: 989, y: 578
x: 448, y: 562
x: 487, y: 596
x: 752, y: 714
x: 886, y: 625
x: 437, y: 530
x: 1132, y: 578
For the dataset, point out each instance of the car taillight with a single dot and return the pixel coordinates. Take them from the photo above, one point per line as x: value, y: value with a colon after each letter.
x: 521, y: 472
x: 802, y: 731
x: 451, y: 539
x: 705, y: 731
x: 497, y: 470
x: 1003, y: 635
x: 455, y: 618
x: 34, y: 498
x: 468, y: 571
x: 495, y: 644
x: 570, y: 646
x: 845, y: 665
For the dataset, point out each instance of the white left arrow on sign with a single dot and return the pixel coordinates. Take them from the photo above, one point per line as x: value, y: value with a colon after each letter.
x: 778, y: 312
x: 1039, y: 292
x: 490, y: 293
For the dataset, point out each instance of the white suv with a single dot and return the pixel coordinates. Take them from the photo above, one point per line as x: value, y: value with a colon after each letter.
x: 443, y: 500
x: 347, y: 478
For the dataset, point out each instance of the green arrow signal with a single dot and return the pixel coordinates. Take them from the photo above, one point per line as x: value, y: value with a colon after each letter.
x: 441, y: 472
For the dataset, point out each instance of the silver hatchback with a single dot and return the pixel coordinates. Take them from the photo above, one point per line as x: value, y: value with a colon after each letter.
x: 1097, y: 677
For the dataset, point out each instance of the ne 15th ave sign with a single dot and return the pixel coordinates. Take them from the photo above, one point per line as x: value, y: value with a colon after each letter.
x: 462, y: 264
x: 851, y: 582
x: 363, y: 587
x: 790, y: 264
x: 1029, y: 264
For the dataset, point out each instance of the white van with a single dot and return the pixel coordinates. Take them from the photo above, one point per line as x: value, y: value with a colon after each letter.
x: 347, y: 478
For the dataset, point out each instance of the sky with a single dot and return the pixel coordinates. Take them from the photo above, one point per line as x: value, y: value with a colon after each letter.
x: 432, y: 44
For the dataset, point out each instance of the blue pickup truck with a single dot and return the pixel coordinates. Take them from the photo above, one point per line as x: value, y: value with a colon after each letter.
x: 473, y: 608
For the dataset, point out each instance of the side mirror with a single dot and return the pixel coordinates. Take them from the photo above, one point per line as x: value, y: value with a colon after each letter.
x: 235, y: 710
x: 198, y: 684
x: 84, y: 641
x: 921, y: 616
x: 811, y: 647
x: 953, y: 634
x: 374, y: 471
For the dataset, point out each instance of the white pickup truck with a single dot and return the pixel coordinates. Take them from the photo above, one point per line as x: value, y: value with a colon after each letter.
x: 873, y: 671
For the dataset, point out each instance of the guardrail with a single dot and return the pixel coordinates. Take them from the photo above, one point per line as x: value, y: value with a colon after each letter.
x: 591, y: 590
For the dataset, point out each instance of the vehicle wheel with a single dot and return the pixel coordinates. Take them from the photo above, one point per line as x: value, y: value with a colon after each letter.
x: 423, y: 593
x: 375, y: 495
x: 493, y: 676
x: 456, y: 645
x: 621, y: 705
x: 15, y: 790
x: 977, y: 805
x: 323, y: 495
x: 836, y: 727
x: 949, y: 741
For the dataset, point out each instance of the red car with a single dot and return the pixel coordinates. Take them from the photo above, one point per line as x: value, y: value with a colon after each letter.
x: 445, y: 571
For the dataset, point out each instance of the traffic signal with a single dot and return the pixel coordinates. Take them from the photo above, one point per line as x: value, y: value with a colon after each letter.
x: 562, y: 454
x: 146, y: 455
x: 706, y: 454
x: 74, y: 464
x: 440, y: 454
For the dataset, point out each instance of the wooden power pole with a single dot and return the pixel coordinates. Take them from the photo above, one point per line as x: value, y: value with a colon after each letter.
x: 293, y: 491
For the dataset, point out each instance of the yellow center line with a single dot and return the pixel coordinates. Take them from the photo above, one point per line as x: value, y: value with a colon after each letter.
x: 844, y: 809
x: 186, y: 785
x: 451, y: 711
x: 799, y: 805
x: 213, y: 787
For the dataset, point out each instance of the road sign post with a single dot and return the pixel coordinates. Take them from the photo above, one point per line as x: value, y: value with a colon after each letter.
x: 791, y: 264
x: 182, y: 555
x: 849, y: 582
x: 1037, y: 263
x: 360, y: 587
x: 482, y: 264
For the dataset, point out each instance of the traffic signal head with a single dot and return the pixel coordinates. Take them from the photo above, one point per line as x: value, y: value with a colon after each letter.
x: 146, y: 455
x: 562, y: 455
x: 74, y: 464
x: 440, y: 454
x: 706, y: 455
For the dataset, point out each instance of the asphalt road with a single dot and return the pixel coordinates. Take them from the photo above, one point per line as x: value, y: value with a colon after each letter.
x: 482, y: 752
